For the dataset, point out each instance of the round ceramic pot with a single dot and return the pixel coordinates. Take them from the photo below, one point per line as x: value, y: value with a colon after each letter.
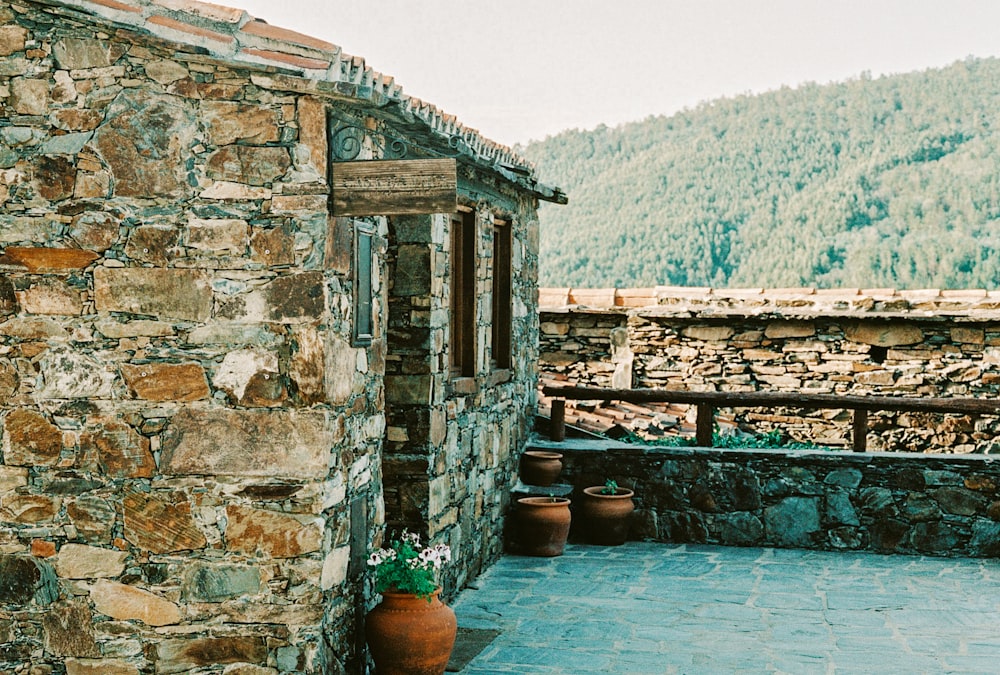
x: 543, y: 525
x: 408, y: 635
x: 606, y: 516
x: 540, y: 467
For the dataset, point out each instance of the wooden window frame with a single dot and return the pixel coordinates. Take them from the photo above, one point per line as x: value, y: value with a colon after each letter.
x: 501, y: 325
x: 362, y: 265
x: 464, y: 233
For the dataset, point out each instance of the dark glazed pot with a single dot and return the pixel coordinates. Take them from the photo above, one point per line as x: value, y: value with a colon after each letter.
x: 543, y: 525
x: 410, y: 635
x: 540, y: 467
x: 606, y: 517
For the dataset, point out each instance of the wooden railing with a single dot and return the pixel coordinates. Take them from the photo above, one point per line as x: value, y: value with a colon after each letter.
x: 708, y: 402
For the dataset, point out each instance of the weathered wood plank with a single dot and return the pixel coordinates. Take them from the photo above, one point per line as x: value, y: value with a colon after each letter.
x: 961, y: 406
x: 395, y: 187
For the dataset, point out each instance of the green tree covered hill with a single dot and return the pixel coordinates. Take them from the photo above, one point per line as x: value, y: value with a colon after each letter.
x: 888, y: 182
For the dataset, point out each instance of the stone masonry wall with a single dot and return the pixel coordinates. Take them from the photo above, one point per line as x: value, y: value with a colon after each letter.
x: 451, y: 452
x: 878, y: 343
x: 191, y: 445
x: 831, y: 500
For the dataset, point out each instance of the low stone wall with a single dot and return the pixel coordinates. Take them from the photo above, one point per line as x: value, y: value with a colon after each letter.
x: 884, y: 343
x: 885, y: 502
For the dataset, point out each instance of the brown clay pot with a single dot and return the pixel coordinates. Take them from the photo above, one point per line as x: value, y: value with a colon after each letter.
x: 410, y: 635
x: 543, y: 525
x: 540, y: 467
x: 606, y: 517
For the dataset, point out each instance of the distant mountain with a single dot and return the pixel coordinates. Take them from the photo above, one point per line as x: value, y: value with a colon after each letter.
x: 888, y: 182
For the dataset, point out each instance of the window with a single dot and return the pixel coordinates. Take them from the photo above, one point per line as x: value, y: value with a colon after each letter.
x: 501, y: 295
x: 463, y: 294
x: 364, y: 322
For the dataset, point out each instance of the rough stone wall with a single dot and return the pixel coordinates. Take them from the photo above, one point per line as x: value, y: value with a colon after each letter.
x: 740, y: 347
x: 190, y: 450
x: 832, y: 500
x: 451, y: 452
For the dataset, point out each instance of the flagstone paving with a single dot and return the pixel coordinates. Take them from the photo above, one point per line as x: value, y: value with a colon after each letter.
x: 662, y: 609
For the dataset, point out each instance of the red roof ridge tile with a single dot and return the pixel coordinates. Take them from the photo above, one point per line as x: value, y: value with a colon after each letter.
x: 120, y: 6
x: 184, y: 27
x: 263, y: 29
x: 288, y: 59
x: 208, y: 10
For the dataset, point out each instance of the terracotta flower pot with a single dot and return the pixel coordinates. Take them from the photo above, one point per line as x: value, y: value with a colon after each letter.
x: 606, y: 516
x: 543, y: 525
x: 540, y: 467
x: 410, y: 635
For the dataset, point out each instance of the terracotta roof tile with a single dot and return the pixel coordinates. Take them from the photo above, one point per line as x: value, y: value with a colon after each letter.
x: 204, y: 9
x: 266, y: 30
x: 174, y: 24
x: 120, y: 6
x: 288, y: 59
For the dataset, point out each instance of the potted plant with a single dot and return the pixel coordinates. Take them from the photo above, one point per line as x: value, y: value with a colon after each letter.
x: 540, y: 467
x: 606, y: 510
x: 411, y: 632
x: 543, y: 525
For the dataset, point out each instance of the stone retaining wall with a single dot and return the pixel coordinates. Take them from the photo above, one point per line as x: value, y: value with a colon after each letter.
x: 923, y: 344
x: 832, y: 500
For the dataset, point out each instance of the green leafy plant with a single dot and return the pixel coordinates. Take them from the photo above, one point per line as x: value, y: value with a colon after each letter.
x: 610, y: 487
x: 770, y: 439
x: 405, y: 567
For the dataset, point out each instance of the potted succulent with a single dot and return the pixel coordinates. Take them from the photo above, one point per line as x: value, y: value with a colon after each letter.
x: 411, y: 632
x: 543, y: 525
x: 606, y: 510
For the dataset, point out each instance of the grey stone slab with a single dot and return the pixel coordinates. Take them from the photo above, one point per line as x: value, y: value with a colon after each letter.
x: 971, y: 664
x: 647, y: 608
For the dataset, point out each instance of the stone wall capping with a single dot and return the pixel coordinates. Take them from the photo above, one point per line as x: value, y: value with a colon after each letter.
x: 972, y: 293
x: 592, y: 297
x: 805, y: 303
x: 838, y: 292
x: 553, y: 297
x: 741, y: 293
x: 921, y: 293
x: 635, y: 297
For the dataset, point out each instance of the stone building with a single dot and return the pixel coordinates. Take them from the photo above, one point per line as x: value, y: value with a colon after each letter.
x: 232, y: 347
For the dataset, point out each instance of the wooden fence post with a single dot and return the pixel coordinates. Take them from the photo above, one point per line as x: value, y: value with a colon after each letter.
x: 703, y: 425
x: 860, y: 430
x: 557, y: 420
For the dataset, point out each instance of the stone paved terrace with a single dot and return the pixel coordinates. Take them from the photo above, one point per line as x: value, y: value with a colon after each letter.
x: 648, y: 608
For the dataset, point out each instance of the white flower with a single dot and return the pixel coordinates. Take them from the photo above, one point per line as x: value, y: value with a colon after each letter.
x: 411, y: 538
x: 380, y: 556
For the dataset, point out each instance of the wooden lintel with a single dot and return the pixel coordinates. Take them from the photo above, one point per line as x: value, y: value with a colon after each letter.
x: 395, y: 187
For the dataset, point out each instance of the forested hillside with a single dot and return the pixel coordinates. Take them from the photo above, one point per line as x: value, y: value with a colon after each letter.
x: 888, y: 182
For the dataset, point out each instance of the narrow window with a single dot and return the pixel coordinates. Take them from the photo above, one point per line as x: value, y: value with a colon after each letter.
x: 364, y: 323
x: 501, y: 295
x: 463, y: 294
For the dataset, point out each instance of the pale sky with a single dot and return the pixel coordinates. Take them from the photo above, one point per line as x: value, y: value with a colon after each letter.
x: 520, y: 70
